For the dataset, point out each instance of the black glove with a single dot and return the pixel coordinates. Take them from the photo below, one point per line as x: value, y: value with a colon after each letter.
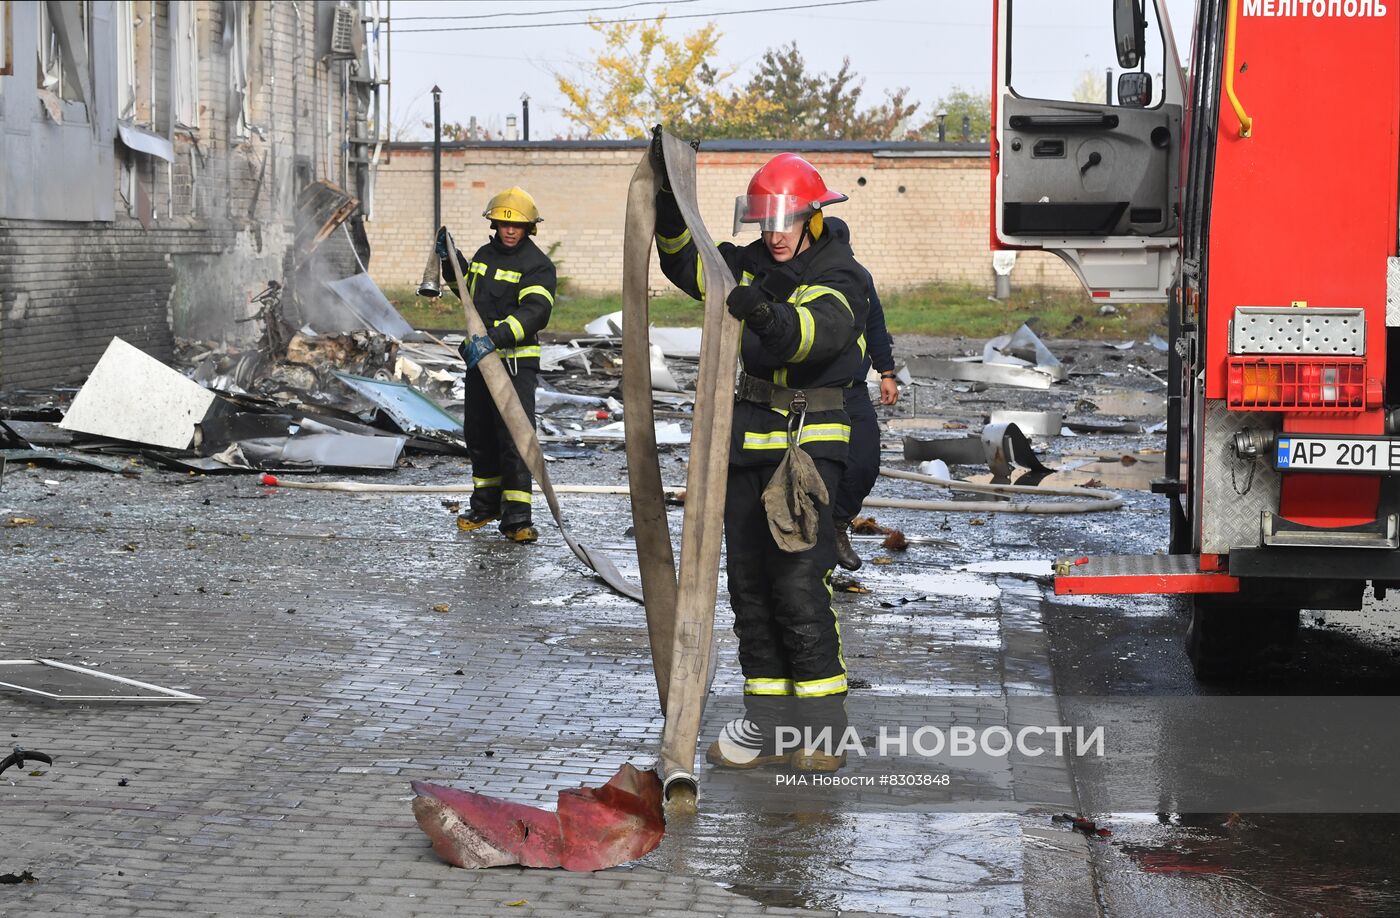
x: 750, y: 304
x: 778, y: 282
x: 658, y: 158
x: 501, y: 335
x: 440, y: 243
x: 449, y: 276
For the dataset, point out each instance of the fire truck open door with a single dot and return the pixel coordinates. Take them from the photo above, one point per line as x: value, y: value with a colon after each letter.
x: 1086, y: 134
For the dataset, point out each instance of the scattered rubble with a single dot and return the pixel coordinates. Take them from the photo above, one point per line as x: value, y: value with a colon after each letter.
x: 1019, y: 359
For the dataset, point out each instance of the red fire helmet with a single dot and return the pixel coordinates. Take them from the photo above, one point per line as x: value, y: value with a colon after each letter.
x: 786, y: 189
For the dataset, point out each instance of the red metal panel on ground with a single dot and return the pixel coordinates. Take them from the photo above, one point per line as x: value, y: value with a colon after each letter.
x: 1301, y: 211
x: 1122, y: 575
x: 1165, y: 584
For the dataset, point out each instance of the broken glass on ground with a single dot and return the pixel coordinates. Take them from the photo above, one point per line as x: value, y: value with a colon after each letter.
x: 51, y: 680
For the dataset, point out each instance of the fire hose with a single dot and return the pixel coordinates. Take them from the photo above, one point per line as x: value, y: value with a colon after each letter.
x: 1091, y: 500
x: 1096, y: 500
x: 680, y: 607
x: 522, y: 434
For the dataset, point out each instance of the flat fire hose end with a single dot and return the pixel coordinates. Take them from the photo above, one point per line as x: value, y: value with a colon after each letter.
x: 680, y: 791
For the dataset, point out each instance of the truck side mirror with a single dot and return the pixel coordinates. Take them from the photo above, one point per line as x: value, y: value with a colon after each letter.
x: 1129, y: 32
x: 1135, y: 90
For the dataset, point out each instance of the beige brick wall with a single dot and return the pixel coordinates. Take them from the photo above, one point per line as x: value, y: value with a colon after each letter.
x: 915, y: 220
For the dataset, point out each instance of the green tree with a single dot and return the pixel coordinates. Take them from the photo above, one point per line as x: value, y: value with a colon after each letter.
x: 976, y: 106
x: 812, y: 106
x: 642, y: 77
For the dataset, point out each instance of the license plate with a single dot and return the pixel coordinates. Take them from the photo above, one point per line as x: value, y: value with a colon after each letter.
x: 1338, y: 454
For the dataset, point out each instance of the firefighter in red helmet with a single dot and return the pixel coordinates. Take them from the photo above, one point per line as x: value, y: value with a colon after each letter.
x: 801, y: 296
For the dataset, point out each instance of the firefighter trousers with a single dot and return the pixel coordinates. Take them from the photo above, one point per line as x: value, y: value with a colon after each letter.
x: 500, y: 479
x: 789, y: 639
x: 863, y: 465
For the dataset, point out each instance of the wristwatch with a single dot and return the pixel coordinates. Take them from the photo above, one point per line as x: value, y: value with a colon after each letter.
x: 889, y: 374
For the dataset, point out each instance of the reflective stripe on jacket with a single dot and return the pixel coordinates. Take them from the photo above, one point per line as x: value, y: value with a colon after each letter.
x: 816, y: 338
x: 513, y: 288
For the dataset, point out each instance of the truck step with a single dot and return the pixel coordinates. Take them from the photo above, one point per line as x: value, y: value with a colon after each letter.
x: 1127, y: 574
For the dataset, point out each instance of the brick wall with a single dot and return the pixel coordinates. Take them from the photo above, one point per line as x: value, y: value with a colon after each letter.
x: 915, y: 218
x: 218, y: 222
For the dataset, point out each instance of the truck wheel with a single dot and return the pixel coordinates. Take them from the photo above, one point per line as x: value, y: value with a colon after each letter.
x: 1225, y: 635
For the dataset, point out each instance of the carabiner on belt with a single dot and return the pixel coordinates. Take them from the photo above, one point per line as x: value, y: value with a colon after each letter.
x: 797, y: 413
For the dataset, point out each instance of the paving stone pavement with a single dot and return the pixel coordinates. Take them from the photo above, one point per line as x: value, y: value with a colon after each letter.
x: 307, y: 620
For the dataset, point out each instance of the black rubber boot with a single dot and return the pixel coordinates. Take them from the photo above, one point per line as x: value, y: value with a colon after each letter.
x: 845, y: 555
x: 470, y: 522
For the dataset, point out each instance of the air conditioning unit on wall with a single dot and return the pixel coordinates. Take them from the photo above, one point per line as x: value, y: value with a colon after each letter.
x: 343, y: 31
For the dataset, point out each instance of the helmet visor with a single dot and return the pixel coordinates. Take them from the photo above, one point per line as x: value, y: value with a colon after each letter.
x: 774, y: 213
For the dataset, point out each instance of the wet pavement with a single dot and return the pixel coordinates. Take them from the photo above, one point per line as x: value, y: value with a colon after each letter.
x: 307, y: 620
x: 1208, y: 864
x: 313, y: 624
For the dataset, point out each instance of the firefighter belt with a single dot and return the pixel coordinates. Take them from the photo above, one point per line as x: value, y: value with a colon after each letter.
x: 762, y: 392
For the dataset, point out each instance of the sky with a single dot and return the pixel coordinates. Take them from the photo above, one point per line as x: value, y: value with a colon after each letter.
x: 929, y: 46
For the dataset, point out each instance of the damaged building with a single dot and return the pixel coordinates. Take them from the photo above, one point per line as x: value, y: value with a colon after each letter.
x: 163, y: 161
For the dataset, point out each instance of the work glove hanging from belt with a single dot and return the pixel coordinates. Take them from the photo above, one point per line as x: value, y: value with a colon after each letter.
x: 793, y: 501
x: 475, y: 348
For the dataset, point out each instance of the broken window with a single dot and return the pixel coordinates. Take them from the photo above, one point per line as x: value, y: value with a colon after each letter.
x: 63, y: 55
x: 185, y: 45
x: 136, y: 69
x: 236, y: 15
x: 7, y: 51
x: 58, y: 160
x: 126, y: 61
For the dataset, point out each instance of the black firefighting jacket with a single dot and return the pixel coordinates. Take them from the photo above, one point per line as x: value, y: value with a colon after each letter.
x: 815, y: 340
x: 513, y: 289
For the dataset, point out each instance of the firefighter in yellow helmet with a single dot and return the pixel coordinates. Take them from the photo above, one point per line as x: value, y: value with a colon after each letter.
x: 512, y: 284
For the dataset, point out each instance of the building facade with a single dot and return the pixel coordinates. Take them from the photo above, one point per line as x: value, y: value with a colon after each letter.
x: 153, y: 152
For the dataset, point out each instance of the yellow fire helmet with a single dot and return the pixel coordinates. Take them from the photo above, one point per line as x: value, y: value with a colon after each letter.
x: 514, y: 205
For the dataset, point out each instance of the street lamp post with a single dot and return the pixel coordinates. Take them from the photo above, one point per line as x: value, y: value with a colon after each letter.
x: 437, y: 158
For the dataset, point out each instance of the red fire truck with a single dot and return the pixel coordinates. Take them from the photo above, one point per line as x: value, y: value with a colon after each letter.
x: 1255, y: 196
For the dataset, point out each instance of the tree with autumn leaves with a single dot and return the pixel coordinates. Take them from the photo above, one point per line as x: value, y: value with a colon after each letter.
x: 642, y: 77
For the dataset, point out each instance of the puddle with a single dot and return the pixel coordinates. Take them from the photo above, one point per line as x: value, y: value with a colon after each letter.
x: 940, y: 583
x: 891, y: 863
x: 1219, y: 864
x: 1034, y: 567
